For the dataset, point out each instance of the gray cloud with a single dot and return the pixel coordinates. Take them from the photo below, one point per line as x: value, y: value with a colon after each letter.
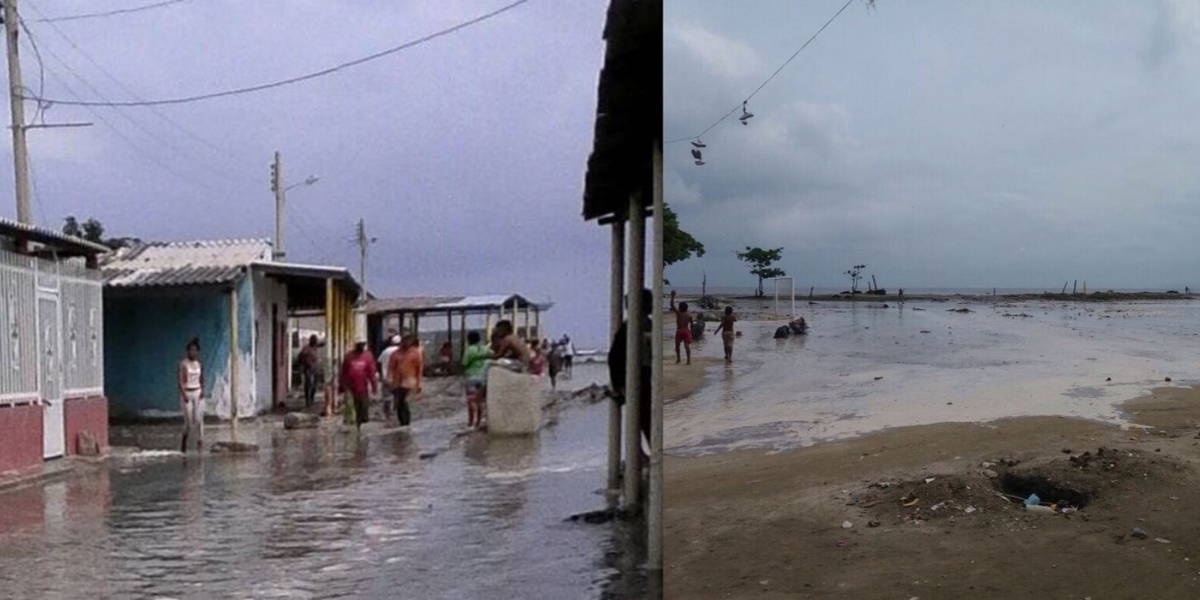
x: 949, y: 145
x: 465, y: 155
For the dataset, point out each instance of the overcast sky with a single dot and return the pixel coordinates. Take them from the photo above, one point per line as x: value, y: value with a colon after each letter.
x: 944, y: 144
x: 465, y: 155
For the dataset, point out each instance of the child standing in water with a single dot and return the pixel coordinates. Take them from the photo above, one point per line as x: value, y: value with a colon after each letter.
x: 726, y: 331
x: 683, y: 328
x: 474, y: 364
x: 189, y: 375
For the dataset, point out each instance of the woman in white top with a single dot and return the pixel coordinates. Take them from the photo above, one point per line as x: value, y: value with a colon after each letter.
x: 190, y: 396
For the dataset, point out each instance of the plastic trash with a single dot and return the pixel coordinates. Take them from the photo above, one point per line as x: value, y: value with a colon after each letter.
x: 1038, y: 509
x: 1033, y: 500
x: 1138, y: 533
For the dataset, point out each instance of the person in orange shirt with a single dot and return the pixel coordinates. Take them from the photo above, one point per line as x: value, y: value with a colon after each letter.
x: 405, y: 374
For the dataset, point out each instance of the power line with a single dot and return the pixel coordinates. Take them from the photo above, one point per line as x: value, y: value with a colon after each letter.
x: 292, y: 80
x: 224, y: 153
x: 111, y: 13
x: 760, y: 87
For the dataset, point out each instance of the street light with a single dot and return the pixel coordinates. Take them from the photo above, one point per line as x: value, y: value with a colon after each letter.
x: 280, y: 198
x: 311, y: 179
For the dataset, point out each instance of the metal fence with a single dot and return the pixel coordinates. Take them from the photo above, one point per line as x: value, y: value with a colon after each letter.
x: 76, y: 292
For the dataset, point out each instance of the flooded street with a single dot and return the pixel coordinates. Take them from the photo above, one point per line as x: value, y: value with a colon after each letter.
x: 323, y: 513
x: 863, y: 368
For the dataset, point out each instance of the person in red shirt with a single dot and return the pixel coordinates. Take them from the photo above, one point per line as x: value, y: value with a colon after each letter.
x: 359, y: 379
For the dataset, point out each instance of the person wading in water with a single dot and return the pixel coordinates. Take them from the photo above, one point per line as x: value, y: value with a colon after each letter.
x: 406, y: 368
x: 310, y: 361
x: 683, y: 328
x: 190, y: 378
x: 358, y: 378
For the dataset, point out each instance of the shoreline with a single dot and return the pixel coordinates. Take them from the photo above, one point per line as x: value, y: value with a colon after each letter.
x: 730, y: 516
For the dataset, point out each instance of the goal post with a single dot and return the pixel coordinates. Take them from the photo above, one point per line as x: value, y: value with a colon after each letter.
x: 792, y: 283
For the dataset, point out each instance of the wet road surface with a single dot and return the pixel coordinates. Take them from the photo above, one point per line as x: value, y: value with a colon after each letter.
x: 322, y: 513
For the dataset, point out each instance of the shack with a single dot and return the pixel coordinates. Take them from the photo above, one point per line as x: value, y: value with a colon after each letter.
x: 232, y: 297
x: 424, y: 316
x: 51, y: 352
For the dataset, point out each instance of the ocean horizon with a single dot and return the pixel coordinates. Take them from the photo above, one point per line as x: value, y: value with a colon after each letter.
x: 769, y: 289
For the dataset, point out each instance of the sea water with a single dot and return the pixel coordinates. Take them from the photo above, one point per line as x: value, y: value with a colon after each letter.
x: 864, y: 368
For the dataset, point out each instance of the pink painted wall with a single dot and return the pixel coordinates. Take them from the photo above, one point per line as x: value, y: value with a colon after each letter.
x: 21, y: 437
x: 86, y: 414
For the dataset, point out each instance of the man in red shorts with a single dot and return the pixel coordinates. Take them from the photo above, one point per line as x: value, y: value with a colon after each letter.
x: 683, y: 328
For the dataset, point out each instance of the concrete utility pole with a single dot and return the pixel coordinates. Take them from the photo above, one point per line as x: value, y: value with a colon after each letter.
x: 363, y: 241
x: 17, y: 111
x: 277, y: 187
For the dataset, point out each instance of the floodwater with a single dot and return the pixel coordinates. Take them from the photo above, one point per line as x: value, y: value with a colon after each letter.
x: 862, y: 369
x: 323, y: 513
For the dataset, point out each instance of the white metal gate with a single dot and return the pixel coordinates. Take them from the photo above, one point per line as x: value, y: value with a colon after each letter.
x: 50, y: 374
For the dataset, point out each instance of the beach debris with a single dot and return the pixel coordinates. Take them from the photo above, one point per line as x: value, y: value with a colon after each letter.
x: 1066, y: 450
x: 1038, y: 509
x: 930, y: 479
x: 925, y: 331
x: 937, y: 506
x: 1138, y: 533
x: 428, y: 454
x: 969, y: 509
x: 1162, y: 540
x: 987, y: 464
x: 873, y: 523
x: 990, y: 474
x: 879, y: 377
x: 847, y: 524
x: 1032, y: 500
x: 959, y: 310
x: 1069, y: 510
x: 883, y: 485
x: 909, y: 500
x: 1108, y: 378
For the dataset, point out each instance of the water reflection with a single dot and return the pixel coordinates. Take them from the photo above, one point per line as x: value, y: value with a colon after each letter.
x: 323, y: 513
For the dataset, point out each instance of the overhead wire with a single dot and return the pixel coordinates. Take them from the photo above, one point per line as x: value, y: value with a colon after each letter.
x: 110, y: 13
x: 297, y: 79
x: 222, y: 151
x: 742, y: 103
x: 137, y: 124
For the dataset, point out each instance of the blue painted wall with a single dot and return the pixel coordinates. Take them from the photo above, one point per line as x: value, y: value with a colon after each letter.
x: 144, y: 339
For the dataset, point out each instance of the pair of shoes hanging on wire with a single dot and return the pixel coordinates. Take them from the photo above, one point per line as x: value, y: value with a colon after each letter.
x: 698, y: 143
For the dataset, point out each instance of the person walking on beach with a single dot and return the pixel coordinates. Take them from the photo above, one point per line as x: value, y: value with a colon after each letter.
x: 726, y: 331
x: 358, y: 378
x: 310, y: 361
x: 407, y: 368
x: 568, y: 356
x: 474, y: 362
x: 385, y: 378
x: 554, y: 364
x: 900, y: 296
x: 190, y: 378
x: 683, y: 328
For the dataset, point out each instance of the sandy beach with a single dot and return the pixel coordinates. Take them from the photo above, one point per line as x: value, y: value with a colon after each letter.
x: 932, y: 506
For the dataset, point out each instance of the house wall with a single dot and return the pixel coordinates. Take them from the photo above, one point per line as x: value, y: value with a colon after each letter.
x: 144, y: 340
x: 270, y: 308
x: 20, y: 437
x: 87, y: 413
x: 18, y: 352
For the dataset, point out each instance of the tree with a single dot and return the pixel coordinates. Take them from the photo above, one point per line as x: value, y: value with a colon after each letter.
x: 678, y: 245
x: 91, y: 230
x: 855, y: 274
x: 71, y: 227
x: 761, y: 261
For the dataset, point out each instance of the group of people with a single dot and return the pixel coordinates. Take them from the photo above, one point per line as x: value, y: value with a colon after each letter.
x: 683, y: 330
x: 398, y: 374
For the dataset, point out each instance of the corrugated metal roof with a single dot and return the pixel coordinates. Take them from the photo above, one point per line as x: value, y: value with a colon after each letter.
x: 198, y: 262
x: 48, y: 237
x: 441, y: 303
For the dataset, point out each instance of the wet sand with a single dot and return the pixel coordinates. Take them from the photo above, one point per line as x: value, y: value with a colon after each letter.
x: 769, y: 525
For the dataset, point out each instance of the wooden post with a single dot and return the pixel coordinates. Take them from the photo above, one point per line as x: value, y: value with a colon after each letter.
x: 636, y: 260
x: 655, y: 506
x: 537, y: 325
x: 449, y: 340
x: 1075, y: 287
x: 330, y: 324
x: 487, y: 328
x: 616, y: 296
x: 462, y: 340
x: 233, y: 362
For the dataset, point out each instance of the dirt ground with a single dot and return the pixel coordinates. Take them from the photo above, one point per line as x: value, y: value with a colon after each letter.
x: 929, y: 519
